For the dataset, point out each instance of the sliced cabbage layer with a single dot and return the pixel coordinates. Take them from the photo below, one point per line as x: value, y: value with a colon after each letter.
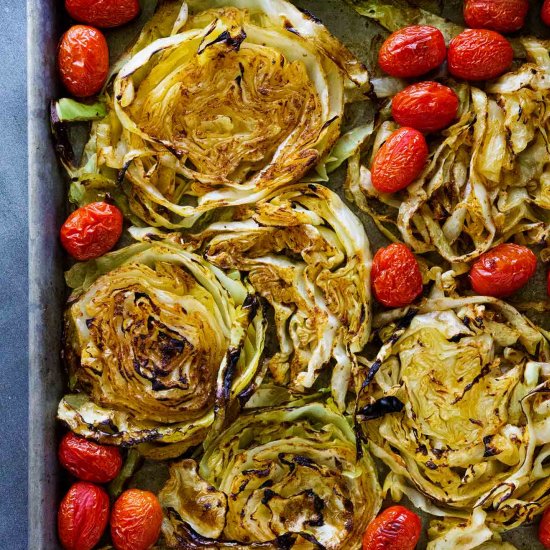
x: 488, y: 178
x: 308, y: 255
x: 471, y: 439
x: 279, y: 477
x: 218, y: 104
x: 158, y: 343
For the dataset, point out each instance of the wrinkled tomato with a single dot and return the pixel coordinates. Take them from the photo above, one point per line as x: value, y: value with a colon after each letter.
x: 399, y: 161
x: 426, y: 106
x: 89, y: 461
x: 103, y: 13
x: 503, y: 270
x: 83, y: 516
x: 412, y: 51
x: 545, y: 12
x: 477, y: 54
x: 92, y: 230
x: 396, y: 277
x: 497, y: 15
x: 136, y: 520
x: 396, y: 528
x: 544, y: 529
x: 83, y: 60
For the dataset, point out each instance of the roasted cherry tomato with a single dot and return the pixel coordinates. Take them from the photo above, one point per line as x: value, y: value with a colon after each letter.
x: 545, y: 12
x: 89, y: 461
x: 396, y: 528
x: 136, y: 520
x: 503, y: 270
x: 497, y: 15
x: 103, y: 13
x: 396, y: 277
x: 83, y: 516
x: 83, y: 60
x: 426, y: 106
x: 544, y: 529
x: 477, y: 54
x: 412, y: 51
x: 92, y: 230
x: 399, y: 161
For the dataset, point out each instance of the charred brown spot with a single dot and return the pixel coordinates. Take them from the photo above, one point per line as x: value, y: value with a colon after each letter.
x: 490, y: 450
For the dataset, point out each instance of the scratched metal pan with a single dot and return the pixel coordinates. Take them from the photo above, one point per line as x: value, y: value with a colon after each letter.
x: 47, y: 209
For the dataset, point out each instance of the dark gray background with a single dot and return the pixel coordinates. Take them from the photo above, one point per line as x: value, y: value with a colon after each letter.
x: 14, y: 281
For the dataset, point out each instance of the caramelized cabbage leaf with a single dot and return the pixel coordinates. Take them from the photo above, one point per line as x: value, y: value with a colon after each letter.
x: 279, y: 477
x: 308, y: 255
x: 471, y: 439
x: 158, y: 343
x: 488, y: 178
x: 219, y: 104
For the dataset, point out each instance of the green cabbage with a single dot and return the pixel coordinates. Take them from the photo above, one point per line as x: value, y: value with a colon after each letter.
x: 308, y: 255
x: 488, y: 178
x: 219, y: 104
x: 69, y: 110
x: 471, y: 439
x: 159, y: 344
x: 279, y: 477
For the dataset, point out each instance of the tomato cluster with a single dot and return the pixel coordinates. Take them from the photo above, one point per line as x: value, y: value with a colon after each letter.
x: 83, y: 515
x: 429, y: 106
x: 83, y: 54
x: 478, y: 53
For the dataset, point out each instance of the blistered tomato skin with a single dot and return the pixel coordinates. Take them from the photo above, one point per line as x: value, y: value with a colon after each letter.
x: 103, y: 13
x: 396, y: 277
x: 83, y: 516
x: 412, y: 51
x: 426, y: 106
x: 136, y: 520
x: 89, y: 461
x: 399, y: 161
x: 83, y: 60
x: 545, y: 12
x: 503, y: 270
x: 496, y: 15
x: 92, y: 230
x: 396, y: 528
x: 477, y: 54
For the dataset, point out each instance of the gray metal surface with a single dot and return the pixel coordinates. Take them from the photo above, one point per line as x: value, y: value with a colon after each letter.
x: 13, y: 278
x: 46, y: 290
x: 46, y: 211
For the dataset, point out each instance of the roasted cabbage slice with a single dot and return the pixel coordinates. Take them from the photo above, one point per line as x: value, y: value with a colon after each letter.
x: 279, y: 477
x: 308, y: 255
x: 157, y: 340
x: 470, y: 440
x: 488, y: 178
x: 218, y: 103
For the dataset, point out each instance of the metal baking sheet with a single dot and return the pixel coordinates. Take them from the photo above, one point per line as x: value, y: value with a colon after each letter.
x: 47, y: 208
